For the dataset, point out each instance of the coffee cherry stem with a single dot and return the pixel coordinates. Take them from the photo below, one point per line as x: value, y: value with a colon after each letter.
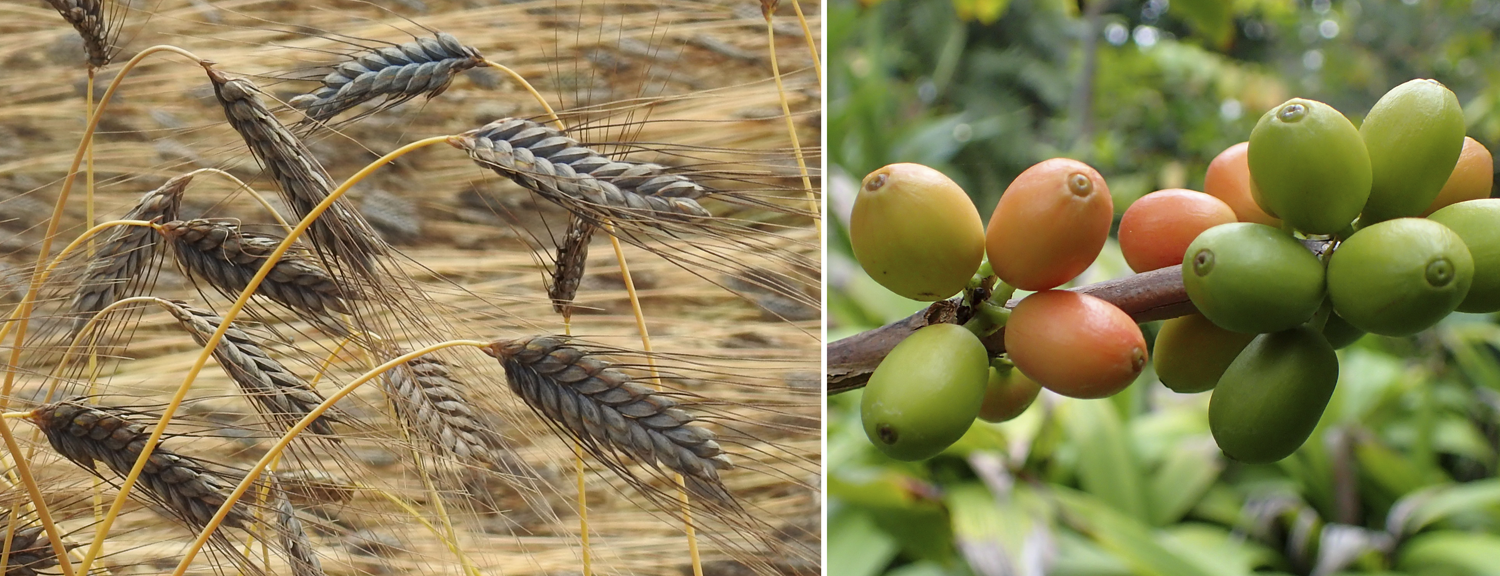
x: 988, y: 318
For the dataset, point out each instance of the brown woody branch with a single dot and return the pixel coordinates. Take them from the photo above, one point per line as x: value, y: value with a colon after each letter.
x: 1148, y: 296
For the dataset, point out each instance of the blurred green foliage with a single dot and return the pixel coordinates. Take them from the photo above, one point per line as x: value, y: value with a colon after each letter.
x: 1400, y: 477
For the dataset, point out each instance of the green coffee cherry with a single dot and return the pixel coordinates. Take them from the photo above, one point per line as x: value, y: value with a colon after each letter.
x: 926, y: 393
x: 1309, y: 167
x: 1477, y: 222
x: 916, y: 232
x: 1414, y: 135
x: 1399, y: 277
x: 1252, y: 278
x: 1271, y: 397
x: 1192, y: 353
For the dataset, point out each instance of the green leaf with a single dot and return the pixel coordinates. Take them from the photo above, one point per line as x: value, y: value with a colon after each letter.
x: 856, y: 547
x: 1181, y: 481
x: 1107, y: 466
x: 1212, y: 18
x: 1451, y: 554
x: 1422, y: 509
x: 1129, y: 540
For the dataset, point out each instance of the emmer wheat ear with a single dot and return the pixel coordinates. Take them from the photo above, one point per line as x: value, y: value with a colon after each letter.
x: 89, y: 19
x: 30, y: 554
x: 227, y: 258
x: 340, y: 231
x: 294, y: 541
x: 541, y: 159
x: 87, y: 434
x: 567, y: 271
x: 395, y: 73
x: 122, y: 258
x: 609, y: 413
x: 433, y: 406
x: 280, y: 395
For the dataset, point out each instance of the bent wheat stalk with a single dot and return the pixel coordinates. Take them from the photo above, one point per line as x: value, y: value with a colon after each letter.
x: 280, y: 395
x: 609, y: 413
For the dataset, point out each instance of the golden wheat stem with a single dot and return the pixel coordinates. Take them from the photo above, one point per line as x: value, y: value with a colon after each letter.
x: 296, y: 429
x: 22, y: 315
x: 791, y: 129
x: 218, y: 335
x: 812, y: 45
x: 527, y: 85
x: 640, y: 326
x: 10, y: 533
x: 248, y: 190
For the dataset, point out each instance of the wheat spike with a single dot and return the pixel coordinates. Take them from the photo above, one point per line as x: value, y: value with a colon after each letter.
x: 567, y: 272
x: 88, y: 18
x: 608, y: 412
x: 340, y: 231
x: 122, y: 257
x: 542, y: 159
x: 87, y: 434
x: 394, y: 73
x: 30, y: 553
x: 226, y: 257
x: 295, y: 543
x: 433, y: 406
x: 279, y: 394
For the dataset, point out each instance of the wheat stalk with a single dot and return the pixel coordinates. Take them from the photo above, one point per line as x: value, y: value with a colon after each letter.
x: 87, y: 434
x: 608, y: 412
x: 227, y: 258
x: 340, y: 231
x: 394, y: 73
x: 279, y: 394
x: 122, y: 258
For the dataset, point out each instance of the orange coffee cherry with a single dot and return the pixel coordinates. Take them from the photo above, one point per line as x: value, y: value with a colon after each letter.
x: 1157, y: 229
x: 1050, y: 224
x: 1228, y: 179
x: 1472, y: 178
x: 1075, y: 345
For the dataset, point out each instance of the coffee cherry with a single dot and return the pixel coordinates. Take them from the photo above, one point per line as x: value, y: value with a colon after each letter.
x: 1008, y: 394
x: 926, y: 393
x: 1414, y: 135
x: 916, y: 232
x: 1075, y: 345
x: 1228, y: 179
x: 1477, y: 222
x: 1340, y: 333
x: 1309, y: 167
x: 1252, y: 278
x: 1399, y: 277
x: 1272, y: 395
x: 1157, y: 228
x: 1050, y: 224
x: 1192, y: 353
x: 1471, y: 179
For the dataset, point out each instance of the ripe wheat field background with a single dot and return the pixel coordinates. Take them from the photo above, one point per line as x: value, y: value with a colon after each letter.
x: 377, y: 486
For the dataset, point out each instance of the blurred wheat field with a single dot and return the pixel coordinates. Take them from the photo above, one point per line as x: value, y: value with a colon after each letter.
x: 732, y: 308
